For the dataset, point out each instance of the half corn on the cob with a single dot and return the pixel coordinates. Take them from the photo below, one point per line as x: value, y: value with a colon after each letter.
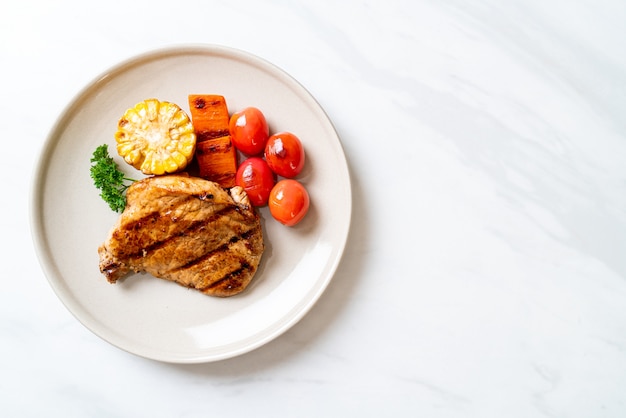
x: 156, y: 137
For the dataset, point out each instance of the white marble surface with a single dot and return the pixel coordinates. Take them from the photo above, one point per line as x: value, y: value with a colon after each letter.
x: 485, y: 273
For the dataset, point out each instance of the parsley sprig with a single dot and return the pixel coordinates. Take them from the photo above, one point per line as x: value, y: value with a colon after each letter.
x: 107, y: 177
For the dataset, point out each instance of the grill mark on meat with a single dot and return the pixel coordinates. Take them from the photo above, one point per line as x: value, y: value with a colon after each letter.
x: 151, y: 217
x: 155, y: 215
x: 193, y: 227
x: 218, y: 250
x: 233, y: 276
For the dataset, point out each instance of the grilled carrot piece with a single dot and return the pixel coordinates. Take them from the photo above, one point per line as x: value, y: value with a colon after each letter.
x: 209, y: 114
x: 217, y: 160
x: 215, y: 156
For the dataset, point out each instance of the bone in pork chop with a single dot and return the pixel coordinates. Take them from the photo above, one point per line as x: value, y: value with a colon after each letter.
x: 187, y: 230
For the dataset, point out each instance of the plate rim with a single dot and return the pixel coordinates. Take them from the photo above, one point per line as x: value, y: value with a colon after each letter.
x: 43, y: 160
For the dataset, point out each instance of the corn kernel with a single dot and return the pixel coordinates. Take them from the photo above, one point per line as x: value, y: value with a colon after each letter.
x: 156, y: 137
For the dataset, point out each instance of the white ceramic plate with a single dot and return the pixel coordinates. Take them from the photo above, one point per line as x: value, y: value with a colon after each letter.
x: 158, y: 319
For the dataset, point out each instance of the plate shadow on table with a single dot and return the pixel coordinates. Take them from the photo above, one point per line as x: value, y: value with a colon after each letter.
x: 321, y: 316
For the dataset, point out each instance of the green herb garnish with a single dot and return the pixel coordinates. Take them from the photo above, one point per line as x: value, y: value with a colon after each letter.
x: 107, y: 177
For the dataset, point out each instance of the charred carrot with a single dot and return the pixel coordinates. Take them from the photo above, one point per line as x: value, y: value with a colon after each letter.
x: 215, y: 156
x: 209, y: 114
x: 217, y: 160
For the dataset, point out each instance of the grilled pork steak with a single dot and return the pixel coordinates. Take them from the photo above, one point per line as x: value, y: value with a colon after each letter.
x: 187, y: 230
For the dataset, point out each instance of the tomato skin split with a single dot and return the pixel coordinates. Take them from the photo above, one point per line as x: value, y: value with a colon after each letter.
x: 249, y: 131
x: 289, y: 202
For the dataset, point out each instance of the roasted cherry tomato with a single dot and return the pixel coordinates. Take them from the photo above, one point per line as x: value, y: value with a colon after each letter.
x: 249, y: 131
x: 257, y: 179
x: 284, y: 154
x: 288, y: 202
